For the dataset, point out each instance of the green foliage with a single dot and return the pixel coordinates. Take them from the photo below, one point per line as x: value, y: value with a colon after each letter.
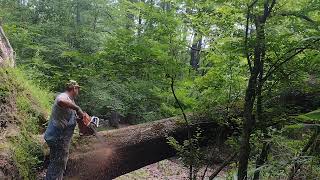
x: 33, y: 103
x: 27, y: 155
x: 31, y: 108
x: 189, y: 151
x: 311, y: 116
x: 38, y: 96
x: 284, y: 151
x: 133, y: 97
x: 31, y: 120
x: 122, y: 51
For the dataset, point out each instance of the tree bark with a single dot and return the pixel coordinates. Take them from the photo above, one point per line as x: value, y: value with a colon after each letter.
x: 7, y: 55
x: 247, y: 127
x: 195, y: 51
x: 128, y: 149
x: 249, y: 121
x: 114, y: 119
x: 262, y: 159
x: 254, y: 86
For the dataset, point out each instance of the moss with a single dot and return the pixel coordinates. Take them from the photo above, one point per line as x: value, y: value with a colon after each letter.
x: 30, y: 105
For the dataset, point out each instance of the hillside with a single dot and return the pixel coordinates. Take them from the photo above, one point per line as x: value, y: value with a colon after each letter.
x: 23, y: 111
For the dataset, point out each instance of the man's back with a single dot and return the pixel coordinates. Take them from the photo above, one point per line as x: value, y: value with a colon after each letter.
x: 61, y: 118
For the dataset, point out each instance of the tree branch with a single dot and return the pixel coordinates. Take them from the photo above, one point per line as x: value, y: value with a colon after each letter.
x: 224, y: 164
x: 252, y: 4
x: 178, y: 102
x: 267, y: 9
x: 246, y: 42
x: 296, y: 164
x: 271, y: 7
x: 299, y: 15
x: 277, y: 65
x: 187, y: 123
x: 247, y: 34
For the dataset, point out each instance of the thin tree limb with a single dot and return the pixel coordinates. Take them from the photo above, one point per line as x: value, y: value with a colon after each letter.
x: 267, y: 9
x: 205, y: 171
x: 296, y: 166
x: 299, y: 15
x: 187, y: 123
x: 224, y: 164
x: 247, y: 34
x: 178, y: 102
x: 278, y: 64
x: 246, y: 41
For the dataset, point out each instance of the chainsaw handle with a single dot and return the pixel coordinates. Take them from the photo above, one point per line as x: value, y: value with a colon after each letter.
x: 85, y: 119
x: 84, y: 125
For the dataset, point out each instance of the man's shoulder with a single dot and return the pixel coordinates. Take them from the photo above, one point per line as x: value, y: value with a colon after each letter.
x: 62, y: 96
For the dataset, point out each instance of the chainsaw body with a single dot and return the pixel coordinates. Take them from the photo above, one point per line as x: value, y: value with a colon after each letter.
x: 87, y: 125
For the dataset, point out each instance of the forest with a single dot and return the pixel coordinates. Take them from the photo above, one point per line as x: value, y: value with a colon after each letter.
x: 223, y: 87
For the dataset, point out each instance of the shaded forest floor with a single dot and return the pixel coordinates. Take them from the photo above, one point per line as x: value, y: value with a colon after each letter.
x: 169, y: 169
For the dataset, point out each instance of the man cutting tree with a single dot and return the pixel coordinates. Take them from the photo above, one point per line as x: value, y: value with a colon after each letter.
x: 60, y: 129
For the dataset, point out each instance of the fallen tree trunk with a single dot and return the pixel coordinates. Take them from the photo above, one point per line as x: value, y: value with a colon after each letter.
x: 133, y: 147
x: 7, y: 57
x: 130, y: 148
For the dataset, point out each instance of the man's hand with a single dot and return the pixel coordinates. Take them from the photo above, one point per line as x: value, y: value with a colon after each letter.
x: 80, y: 113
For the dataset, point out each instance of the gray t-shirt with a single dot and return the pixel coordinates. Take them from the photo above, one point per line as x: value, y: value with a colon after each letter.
x: 62, y: 121
x: 60, y: 116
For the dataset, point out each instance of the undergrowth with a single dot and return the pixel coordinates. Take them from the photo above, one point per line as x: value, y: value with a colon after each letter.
x: 31, y: 106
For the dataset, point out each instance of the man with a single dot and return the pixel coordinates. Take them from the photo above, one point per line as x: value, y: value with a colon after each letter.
x: 60, y: 130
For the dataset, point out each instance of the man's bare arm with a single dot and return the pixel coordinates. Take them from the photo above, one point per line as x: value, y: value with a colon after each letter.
x: 67, y: 104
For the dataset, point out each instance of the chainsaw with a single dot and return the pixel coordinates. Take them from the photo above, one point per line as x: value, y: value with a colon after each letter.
x: 88, y: 125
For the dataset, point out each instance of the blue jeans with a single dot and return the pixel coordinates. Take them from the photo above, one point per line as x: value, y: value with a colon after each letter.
x: 59, y: 151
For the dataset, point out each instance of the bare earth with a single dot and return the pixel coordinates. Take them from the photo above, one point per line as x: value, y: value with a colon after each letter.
x: 171, y: 169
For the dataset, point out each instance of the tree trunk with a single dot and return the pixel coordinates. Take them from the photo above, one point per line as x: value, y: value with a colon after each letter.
x: 130, y: 18
x: 195, y: 51
x: 247, y: 127
x: 114, y: 119
x: 130, y: 148
x: 254, y: 87
x: 262, y: 159
x: 7, y: 55
x: 257, y: 70
x: 266, y: 146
